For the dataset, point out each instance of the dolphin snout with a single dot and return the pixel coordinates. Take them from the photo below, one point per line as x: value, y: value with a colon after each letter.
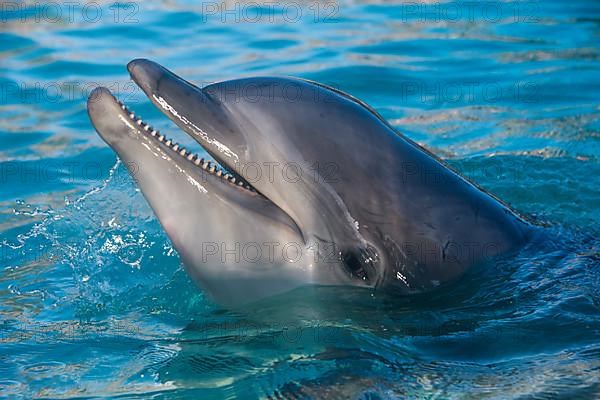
x: 145, y: 73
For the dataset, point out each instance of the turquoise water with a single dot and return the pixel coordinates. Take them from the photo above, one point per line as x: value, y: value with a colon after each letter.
x: 94, y: 301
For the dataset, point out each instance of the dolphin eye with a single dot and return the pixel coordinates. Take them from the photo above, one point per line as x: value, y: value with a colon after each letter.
x: 353, y: 262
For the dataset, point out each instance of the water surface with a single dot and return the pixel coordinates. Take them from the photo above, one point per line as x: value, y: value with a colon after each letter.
x: 94, y: 300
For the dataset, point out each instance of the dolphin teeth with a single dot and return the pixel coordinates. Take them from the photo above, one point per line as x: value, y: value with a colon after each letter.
x: 206, y: 165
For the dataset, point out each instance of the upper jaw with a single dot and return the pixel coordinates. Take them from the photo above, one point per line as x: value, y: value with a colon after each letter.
x: 201, y: 116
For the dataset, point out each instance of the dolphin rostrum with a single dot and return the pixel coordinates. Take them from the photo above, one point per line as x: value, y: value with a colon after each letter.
x: 307, y: 186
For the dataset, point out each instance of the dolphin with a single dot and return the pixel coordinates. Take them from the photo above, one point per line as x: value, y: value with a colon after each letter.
x: 307, y: 185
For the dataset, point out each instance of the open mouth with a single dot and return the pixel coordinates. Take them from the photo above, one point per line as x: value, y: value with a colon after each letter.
x: 174, y: 179
x: 203, y: 164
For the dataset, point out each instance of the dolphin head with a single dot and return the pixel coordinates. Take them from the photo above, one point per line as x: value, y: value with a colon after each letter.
x: 308, y: 186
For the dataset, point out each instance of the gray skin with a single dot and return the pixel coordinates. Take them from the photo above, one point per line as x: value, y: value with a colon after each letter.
x: 337, y: 197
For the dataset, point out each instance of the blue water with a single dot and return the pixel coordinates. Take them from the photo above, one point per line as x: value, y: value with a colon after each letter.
x: 93, y: 298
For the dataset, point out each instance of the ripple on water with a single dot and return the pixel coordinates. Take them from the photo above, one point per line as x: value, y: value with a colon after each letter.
x: 44, y: 370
